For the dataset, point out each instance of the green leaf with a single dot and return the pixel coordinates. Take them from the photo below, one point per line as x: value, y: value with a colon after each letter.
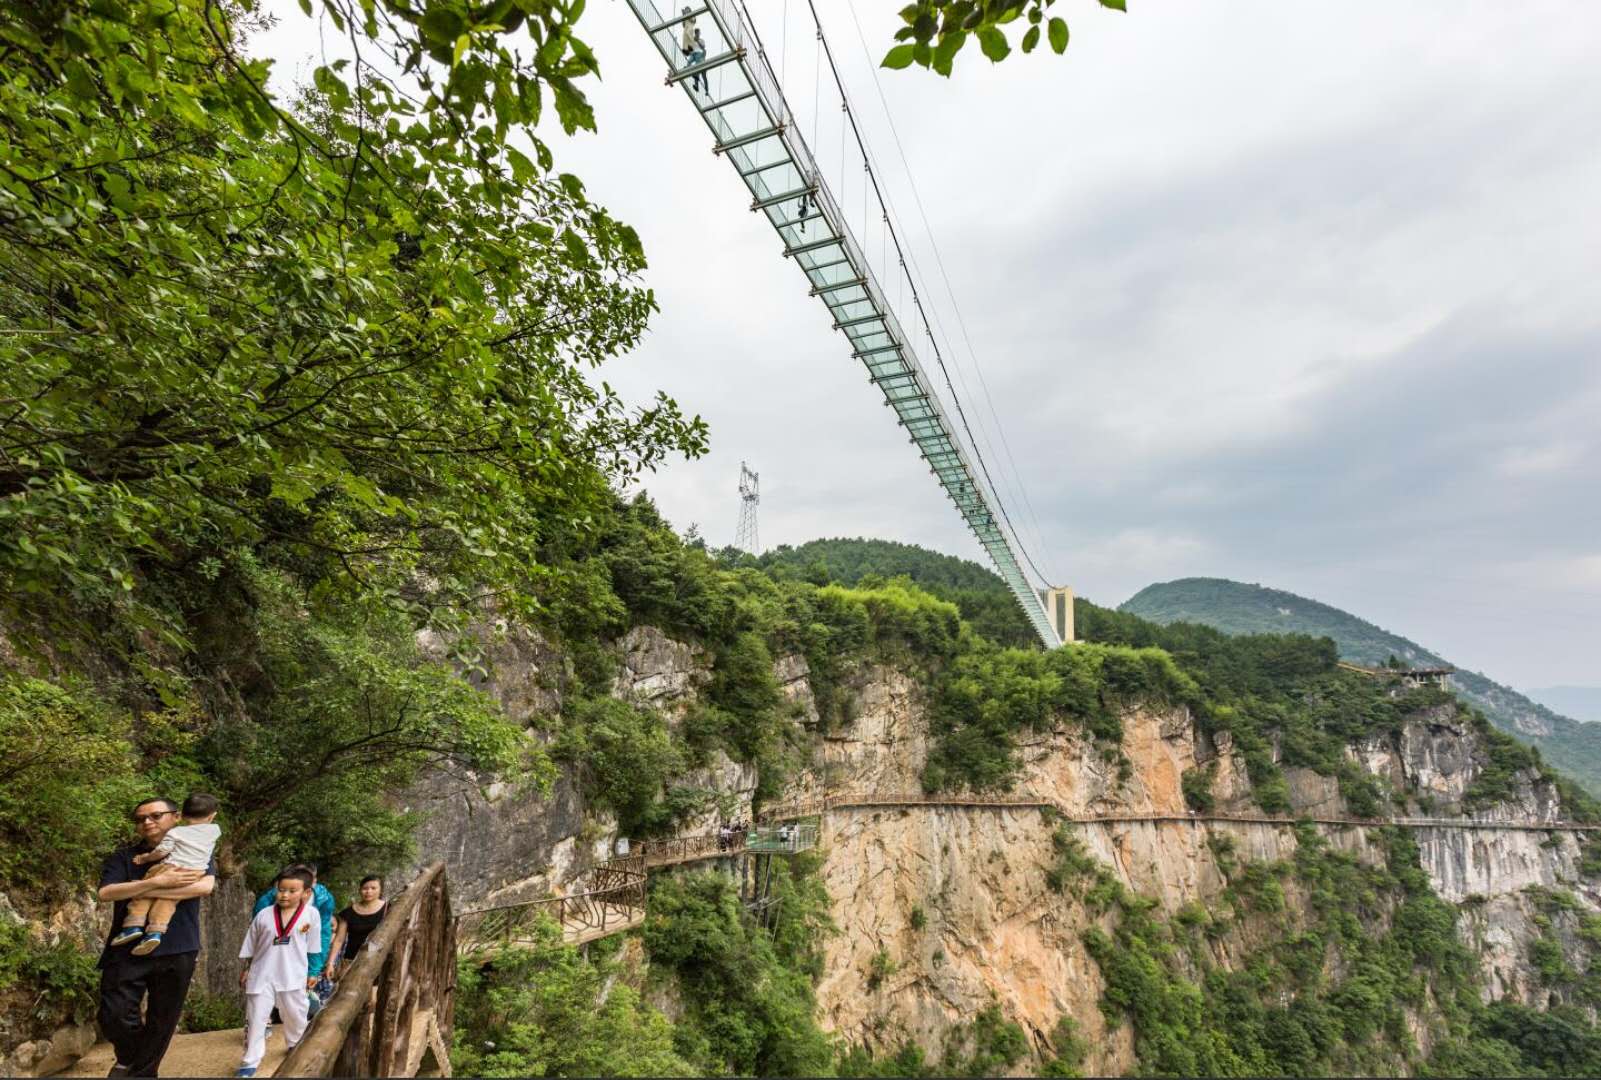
x: 897, y: 58
x: 1058, y: 31
x: 1115, y: 5
x: 1031, y: 39
x: 442, y: 26
x: 993, y: 42
x: 945, y: 52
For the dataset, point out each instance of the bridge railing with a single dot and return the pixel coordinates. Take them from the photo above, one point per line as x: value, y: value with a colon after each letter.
x: 615, y: 901
x: 771, y: 841
x: 686, y: 848
x: 410, y: 959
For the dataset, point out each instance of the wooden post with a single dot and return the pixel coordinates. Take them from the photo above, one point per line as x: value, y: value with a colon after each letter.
x: 414, y: 944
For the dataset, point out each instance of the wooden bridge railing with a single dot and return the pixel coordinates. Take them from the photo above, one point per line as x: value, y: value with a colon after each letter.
x: 615, y: 901
x: 411, y: 961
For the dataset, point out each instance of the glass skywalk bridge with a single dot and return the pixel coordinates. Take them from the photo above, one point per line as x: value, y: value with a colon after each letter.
x: 736, y: 92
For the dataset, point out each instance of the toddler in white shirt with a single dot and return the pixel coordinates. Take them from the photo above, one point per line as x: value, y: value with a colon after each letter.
x: 277, y: 955
x: 188, y: 847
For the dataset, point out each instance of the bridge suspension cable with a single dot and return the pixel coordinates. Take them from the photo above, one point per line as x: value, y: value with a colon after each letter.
x: 726, y: 75
x: 928, y: 327
x: 961, y: 322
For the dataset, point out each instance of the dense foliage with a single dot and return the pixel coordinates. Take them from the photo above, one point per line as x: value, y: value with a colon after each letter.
x: 1261, y: 687
x: 1236, y: 608
x: 543, y: 1009
x: 748, y: 999
x: 355, y: 328
x: 978, y: 593
x: 988, y: 695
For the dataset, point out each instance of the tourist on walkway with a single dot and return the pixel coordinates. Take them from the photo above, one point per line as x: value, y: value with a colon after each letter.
x: 688, y: 32
x: 277, y: 952
x: 189, y: 846
x: 323, y: 901
x: 693, y: 47
x: 157, y: 983
x: 356, y: 924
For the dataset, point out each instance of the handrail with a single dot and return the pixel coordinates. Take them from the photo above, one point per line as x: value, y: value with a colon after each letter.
x: 411, y: 959
x: 814, y: 807
x: 614, y: 904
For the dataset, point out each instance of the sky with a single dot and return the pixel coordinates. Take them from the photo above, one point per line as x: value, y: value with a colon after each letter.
x: 1304, y: 295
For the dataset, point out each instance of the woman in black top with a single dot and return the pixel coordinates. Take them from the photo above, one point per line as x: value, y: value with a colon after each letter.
x: 358, y: 921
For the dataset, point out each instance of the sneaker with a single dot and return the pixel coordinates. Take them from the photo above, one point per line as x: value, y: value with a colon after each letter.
x: 150, y: 944
x: 119, y: 1069
x: 127, y: 935
x: 245, y: 1070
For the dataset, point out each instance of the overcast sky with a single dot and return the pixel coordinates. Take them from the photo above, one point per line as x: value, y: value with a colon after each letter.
x: 1304, y: 295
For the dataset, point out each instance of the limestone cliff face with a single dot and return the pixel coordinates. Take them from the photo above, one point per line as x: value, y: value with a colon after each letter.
x: 505, y: 844
x: 942, y: 911
x: 953, y: 903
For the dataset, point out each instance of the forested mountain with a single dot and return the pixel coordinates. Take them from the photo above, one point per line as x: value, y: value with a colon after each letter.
x: 1237, y: 608
x: 983, y: 598
x: 1579, y: 702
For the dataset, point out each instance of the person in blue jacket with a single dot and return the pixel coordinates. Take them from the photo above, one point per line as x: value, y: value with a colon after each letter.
x: 322, y: 900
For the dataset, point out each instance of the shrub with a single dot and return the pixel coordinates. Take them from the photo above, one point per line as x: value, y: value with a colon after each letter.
x: 542, y: 1009
x: 1197, y: 787
x: 1068, y: 1050
x: 61, y: 981
x: 748, y: 999
x: 625, y: 755
x: 879, y: 968
x: 69, y: 775
x: 211, y: 1012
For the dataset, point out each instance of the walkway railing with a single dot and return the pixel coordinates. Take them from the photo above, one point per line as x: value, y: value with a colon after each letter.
x: 411, y: 960
x: 614, y: 902
x: 817, y: 806
x: 681, y: 849
x: 771, y: 841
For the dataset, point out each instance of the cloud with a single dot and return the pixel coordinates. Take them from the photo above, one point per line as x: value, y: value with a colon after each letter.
x: 1296, y: 294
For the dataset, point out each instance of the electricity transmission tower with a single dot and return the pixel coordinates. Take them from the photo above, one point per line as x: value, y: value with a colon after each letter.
x: 749, y: 497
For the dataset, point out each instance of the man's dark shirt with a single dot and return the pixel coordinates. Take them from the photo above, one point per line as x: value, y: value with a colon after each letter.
x: 183, y: 932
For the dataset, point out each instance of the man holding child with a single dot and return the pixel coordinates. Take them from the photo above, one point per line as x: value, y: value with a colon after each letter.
x: 161, y: 972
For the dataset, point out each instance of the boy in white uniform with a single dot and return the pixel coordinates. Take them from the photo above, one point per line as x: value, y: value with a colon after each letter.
x: 277, y: 955
x: 188, y: 847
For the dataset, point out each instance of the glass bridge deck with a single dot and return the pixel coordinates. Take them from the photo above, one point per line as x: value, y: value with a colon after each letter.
x: 735, y: 91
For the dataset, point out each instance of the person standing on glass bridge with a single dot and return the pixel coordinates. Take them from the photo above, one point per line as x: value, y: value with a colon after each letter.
x: 694, y: 47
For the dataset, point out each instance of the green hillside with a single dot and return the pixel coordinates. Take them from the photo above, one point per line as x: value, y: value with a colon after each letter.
x: 980, y: 594
x: 1237, y: 608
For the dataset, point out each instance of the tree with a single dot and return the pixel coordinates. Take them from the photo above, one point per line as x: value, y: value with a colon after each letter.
x: 541, y: 1009
x: 936, y: 30
x: 355, y: 327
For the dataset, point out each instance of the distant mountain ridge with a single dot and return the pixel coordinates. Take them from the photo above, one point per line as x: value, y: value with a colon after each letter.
x: 1237, y: 608
x: 1579, y: 702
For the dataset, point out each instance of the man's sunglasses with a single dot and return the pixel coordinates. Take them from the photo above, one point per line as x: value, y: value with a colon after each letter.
x: 140, y: 819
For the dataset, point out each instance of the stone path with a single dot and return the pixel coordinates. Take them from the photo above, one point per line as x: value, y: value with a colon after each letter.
x: 209, y: 1053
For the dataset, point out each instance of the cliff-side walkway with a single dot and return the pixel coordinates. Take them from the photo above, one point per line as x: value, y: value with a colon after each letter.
x: 870, y: 801
x: 615, y: 900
